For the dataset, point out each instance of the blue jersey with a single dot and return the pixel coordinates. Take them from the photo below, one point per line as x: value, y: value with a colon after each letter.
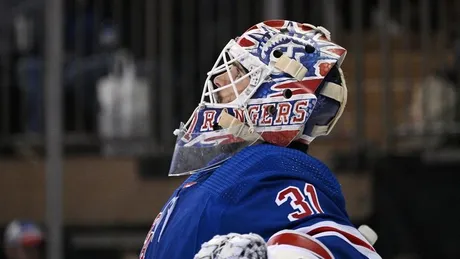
x: 262, y: 189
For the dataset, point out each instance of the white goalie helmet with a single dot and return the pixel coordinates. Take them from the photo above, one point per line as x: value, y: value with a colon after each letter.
x: 279, y: 82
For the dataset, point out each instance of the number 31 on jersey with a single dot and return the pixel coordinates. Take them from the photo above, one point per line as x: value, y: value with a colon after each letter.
x: 304, y: 202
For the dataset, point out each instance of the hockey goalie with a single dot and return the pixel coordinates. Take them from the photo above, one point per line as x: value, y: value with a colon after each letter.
x: 253, y: 190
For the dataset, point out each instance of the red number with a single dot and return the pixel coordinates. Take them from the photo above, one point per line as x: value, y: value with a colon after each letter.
x: 298, y: 203
x: 302, y: 203
x: 310, y: 191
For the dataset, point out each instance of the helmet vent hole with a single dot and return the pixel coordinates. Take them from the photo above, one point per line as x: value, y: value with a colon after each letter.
x: 271, y: 109
x: 309, y: 49
x: 216, y: 126
x: 287, y: 93
x: 277, y: 53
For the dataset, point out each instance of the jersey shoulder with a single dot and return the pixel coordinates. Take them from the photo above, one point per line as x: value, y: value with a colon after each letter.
x: 272, y: 167
x: 266, y: 188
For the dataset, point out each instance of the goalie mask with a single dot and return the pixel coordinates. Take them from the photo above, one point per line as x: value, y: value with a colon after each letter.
x: 279, y: 82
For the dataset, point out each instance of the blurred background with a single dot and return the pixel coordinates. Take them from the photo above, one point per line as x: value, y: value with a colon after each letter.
x: 91, y: 91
